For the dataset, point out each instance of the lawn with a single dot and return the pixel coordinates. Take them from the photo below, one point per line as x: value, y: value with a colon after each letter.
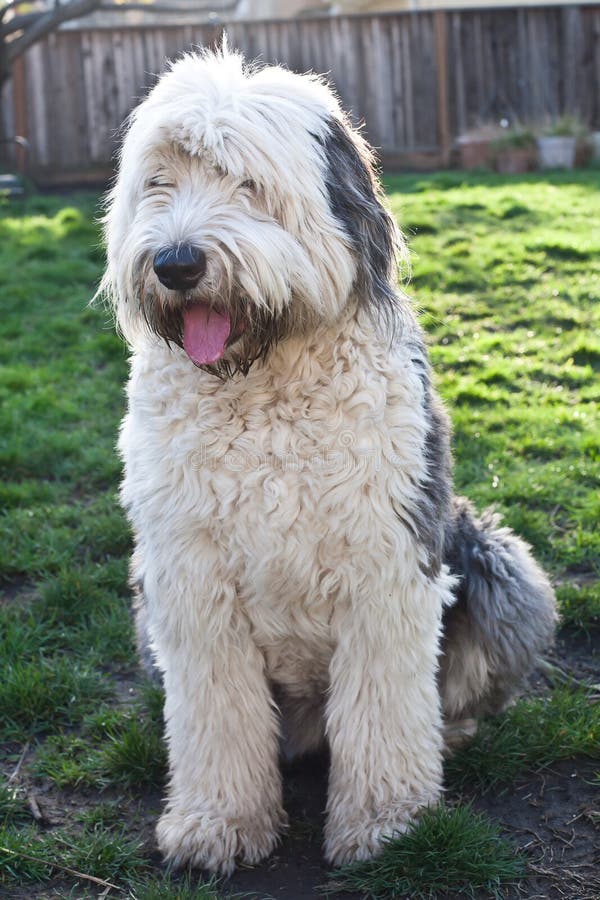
x: 506, y: 276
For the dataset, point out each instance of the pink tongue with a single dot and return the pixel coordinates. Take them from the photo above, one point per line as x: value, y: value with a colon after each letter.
x: 205, y: 333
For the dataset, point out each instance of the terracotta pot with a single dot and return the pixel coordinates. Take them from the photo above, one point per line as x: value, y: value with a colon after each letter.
x: 515, y: 160
x: 474, y: 152
x: 583, y: 152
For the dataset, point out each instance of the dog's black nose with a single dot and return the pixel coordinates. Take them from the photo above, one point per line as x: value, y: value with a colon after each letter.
x: 180, y: 268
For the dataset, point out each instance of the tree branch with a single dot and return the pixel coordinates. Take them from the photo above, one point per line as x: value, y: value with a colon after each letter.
x: 47, y: 22
x: 160, y: 8
x: 36, y: 25
x: 19, y: 23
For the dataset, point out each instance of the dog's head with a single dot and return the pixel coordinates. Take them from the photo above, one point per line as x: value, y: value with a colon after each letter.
x: 246, y: 209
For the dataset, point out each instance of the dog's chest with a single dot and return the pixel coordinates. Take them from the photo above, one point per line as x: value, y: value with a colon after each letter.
x: 286, y: 471
x: 292, y: 465
x: 285, y: 475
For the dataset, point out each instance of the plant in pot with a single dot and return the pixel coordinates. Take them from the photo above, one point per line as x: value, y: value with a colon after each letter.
x: 557, y: 144
x: 514, y: 151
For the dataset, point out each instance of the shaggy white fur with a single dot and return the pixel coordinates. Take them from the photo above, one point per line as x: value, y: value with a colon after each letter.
x: 287, y: 473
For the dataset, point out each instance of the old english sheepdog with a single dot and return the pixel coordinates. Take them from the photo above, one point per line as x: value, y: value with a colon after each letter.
x: 303, y: 573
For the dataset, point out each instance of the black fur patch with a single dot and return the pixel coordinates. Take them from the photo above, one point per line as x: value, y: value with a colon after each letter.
x: 355, y: 199
x: 505, y: 610
x: 427, y: 518
x: 465, y: 547
x: 431, y: 514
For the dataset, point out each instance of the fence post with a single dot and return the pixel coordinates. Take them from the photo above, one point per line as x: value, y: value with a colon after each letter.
x: 19, y: 110
x: 441, y: 65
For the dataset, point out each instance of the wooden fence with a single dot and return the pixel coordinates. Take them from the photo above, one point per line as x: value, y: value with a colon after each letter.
x: 418, y: 79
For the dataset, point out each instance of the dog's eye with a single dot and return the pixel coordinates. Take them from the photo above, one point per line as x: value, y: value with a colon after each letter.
x: 248, y: 185
x: 158, y: 181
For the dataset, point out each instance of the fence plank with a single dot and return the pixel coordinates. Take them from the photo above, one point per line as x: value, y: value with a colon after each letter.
x: 441, y: 67
x: 35, y: 105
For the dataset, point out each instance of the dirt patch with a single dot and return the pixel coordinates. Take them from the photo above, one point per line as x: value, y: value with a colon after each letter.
x: 297, y: 868
x: 17, y: 588
x: 554, y: 817
x: 577, y: 653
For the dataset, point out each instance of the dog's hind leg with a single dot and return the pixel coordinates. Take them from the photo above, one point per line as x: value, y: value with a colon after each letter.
x: 303, y: 724
x: 503, y: 618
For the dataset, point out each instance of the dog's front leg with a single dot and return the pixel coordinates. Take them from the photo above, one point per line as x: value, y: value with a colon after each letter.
x: 224, y: 798
x: 383, y: 716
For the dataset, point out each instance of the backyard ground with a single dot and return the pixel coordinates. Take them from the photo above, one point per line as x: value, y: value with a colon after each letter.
x: 506, y: 276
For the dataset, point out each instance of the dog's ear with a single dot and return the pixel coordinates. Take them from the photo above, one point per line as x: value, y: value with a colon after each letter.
x: 355, y: 199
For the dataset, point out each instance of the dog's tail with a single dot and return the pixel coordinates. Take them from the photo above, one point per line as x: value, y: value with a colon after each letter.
x: 504, y: 616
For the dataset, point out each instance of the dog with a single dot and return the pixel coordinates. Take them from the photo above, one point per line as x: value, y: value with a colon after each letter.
x: 304, y: 575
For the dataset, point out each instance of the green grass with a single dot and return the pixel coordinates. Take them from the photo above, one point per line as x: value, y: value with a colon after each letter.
x: 13, y: 810
x: 112, y: 747
x: 27, y: 855
x: 451, y: 851
x: 99, y: 856
x: 47, y: 693
x: 506, y: 273
x: 185, y: 889
x: 580, y: 604
x: 532, y: 734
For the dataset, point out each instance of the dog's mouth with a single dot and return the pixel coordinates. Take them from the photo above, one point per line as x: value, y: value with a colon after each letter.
x: 208, y: 332
x: 219, y: 339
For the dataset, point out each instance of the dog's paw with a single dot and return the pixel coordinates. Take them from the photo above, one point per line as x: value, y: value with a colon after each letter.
x: 359, y: 836
x: 207, y: 841
x: 457, y: 733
